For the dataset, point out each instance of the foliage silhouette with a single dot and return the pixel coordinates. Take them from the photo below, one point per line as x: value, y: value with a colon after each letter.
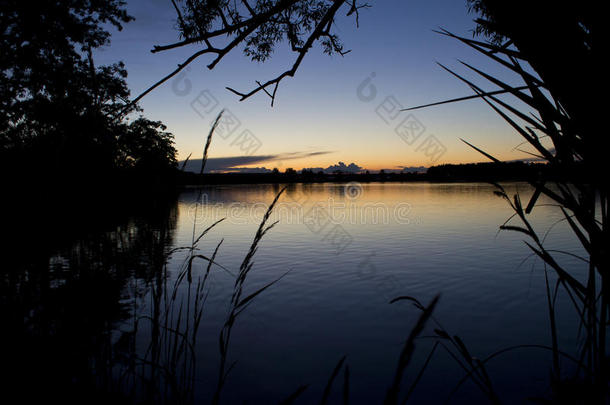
x: 58, y: 110
x: 554, y: 49
x: 258, y: 27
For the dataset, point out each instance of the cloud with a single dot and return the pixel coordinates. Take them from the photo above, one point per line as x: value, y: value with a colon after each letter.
x: 222, y: 164
x: 351, y: 168
x: 296, y: 155
x: 236, y: 163
x: 251, y: 170
x: 342, y: 167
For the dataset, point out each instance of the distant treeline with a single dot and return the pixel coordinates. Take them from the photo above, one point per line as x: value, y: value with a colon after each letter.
x: 488, y: 171
x: 485, y: 172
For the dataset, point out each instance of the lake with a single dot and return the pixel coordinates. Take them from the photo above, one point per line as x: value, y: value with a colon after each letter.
x: 341, y: 252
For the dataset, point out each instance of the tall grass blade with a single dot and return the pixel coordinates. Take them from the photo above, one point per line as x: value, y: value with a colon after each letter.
x: 204, y: 159
x: 185, y: 162
x: 329, y: 384
x: 407, y: 353
x: 293, y: 397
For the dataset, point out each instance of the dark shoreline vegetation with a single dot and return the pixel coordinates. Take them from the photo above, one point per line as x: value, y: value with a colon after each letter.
x: 471, y: 172
x: 132, y: 187
x: 72, y: 193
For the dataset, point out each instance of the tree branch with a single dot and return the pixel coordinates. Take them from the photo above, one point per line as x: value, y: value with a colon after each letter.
x: 319, y: 31
x: 257, y: 19
x: 169, y: 76
x: 282, y: 20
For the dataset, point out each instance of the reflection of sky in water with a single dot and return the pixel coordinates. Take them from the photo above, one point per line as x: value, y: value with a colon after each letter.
x: 367, y: 246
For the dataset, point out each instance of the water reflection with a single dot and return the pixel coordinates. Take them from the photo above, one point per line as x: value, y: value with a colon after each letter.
x: 120, y: 313
x: 62, y: 302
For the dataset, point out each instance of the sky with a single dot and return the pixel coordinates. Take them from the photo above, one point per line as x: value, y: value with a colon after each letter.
x: 336, y: 109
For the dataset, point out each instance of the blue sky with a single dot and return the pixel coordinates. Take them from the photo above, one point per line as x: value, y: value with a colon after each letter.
x: 318, y: 118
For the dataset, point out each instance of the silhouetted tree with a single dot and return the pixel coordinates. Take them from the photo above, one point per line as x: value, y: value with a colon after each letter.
x: 58, y: 111
x: 563, y: 42
x: 144, y: 144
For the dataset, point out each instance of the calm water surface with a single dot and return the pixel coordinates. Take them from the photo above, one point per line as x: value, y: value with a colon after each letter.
x: 344, y: 252
x: 349, y: 249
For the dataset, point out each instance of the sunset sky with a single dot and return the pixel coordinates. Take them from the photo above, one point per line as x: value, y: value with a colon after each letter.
x: 318, y: 118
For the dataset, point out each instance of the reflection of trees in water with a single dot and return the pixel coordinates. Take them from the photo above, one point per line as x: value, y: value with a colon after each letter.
x: 61, y: 308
